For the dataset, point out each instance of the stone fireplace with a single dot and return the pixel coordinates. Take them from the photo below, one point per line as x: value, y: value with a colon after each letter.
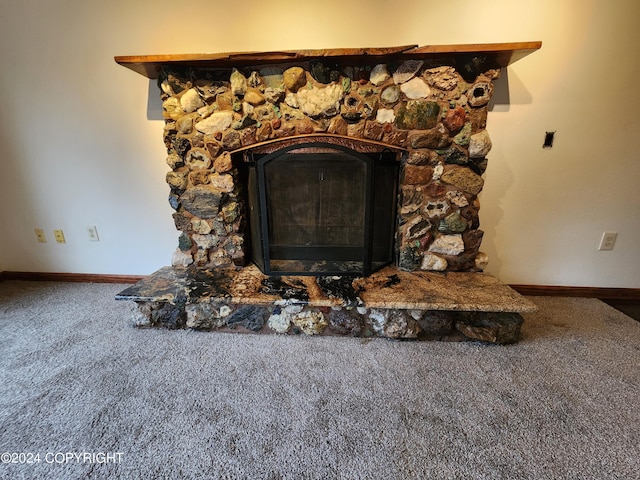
x: 360, y: 168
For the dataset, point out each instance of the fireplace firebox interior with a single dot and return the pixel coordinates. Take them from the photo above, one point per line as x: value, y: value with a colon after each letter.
x: 319, y: 209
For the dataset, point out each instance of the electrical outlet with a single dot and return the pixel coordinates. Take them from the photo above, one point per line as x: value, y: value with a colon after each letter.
x: 59, y: 236
x: 93, y: 233
x: 548, y: 139
x: 608, y: 240
x: 41, y: 236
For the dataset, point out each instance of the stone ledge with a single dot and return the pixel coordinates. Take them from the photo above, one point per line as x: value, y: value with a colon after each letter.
x: 390, y: 303
x: 389, y: 288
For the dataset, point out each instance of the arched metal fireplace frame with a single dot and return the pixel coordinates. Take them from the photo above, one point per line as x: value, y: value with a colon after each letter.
x: 379, y: 203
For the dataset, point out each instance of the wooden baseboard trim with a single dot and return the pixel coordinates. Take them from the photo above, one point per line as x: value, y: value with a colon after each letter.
x: 603, y: 293
x: 70, y: 277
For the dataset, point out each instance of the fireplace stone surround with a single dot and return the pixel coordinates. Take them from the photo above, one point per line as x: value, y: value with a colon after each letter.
x: 427, y: 105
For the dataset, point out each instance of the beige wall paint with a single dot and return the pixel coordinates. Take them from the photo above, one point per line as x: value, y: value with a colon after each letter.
x: 79, y: 149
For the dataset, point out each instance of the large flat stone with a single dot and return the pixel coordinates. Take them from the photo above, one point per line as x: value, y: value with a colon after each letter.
x: 389, y: 288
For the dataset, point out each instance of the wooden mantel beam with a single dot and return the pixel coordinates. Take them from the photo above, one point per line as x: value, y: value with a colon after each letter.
x: 500, y: 54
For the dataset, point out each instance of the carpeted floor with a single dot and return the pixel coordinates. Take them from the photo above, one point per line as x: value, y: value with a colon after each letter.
x: 77, y: 379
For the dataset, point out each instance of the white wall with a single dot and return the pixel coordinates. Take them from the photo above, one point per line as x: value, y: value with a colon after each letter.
x: 78, y: 148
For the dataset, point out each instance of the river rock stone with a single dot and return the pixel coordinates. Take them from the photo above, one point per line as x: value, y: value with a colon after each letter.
x: 338, y: 126
x: 279, y: 322
x: 223, y: 182
x: 406, y: 71
x: 199, y: 177
x: 273, y: 95
x: 182, y: 220
x: 479, y: 144
x: 434, y: 139
x: 202, y: 201
x: 231, y: 140
x: 409, y: 258
x: 178, y: 180
x: 342, y: 323
x: 250, y: 317
x: 263, y: 132
x: 373, y: 130
x: 316, y: 102
x: 205, y: 316
x: 482, y: 260
x: 174, y: 200
x: 239, y: 83
x: 421, y: 157
x: 480, y: 93
x: 437, y: 208
x: 223, y: 163
x: 310, y: 322
x: 417, y: 175
x: 493, y: 327
x: 244, y: 122
x: 444, y: 78
x: 174, y: 161
x: 478, y: 118
x: 206, y: 241
x: 254, y: 97
x: 200, y: 226
x: 418, y: 115
x: 457, y: 198
x: 395, y: 137
x: 171, y: 108
x: 447, y: 245
x: 437, y: 322
x: 385, y: 115
x: 230, y: 212
x: 455, y: 119
x: 379, y: 75
x: 190, y: 101
x: 464, y: 179
x: 394, y: 323
x: 198, y: 158
x: 390, y: 95
x: 294, y: 78
x: 415, y: 88
x: 216, y: 122
x: 184, y: 124
x: 463, y: 137
x: 472, y: 240
x: 352, y: 108
x: 184, y: 242
x: 181, y: 259
x: 416, y: 227
x: 438, y: 170
x: 453, y: 223
x: 433, y: 262
x: 323, y: 71
x: 455, y: 156
x: 167, y: 315
x: 272, y: 77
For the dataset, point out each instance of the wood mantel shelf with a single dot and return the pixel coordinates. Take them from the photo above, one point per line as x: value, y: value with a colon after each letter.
x: 500, y: 54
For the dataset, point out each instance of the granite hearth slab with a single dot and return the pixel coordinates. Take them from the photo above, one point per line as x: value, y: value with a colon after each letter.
x: 389, y: 288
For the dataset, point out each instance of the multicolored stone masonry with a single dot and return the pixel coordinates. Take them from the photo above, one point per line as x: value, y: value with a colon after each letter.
x: 389, y: 303
x: 435, y: 113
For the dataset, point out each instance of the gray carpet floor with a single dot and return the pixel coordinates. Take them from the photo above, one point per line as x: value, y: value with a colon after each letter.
x: 76, y: 378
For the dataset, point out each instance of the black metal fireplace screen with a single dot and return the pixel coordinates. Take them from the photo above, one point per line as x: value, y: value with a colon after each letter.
x: 322, y: 209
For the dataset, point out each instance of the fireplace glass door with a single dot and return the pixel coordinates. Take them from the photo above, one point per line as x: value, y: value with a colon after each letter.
x: 318, y: 209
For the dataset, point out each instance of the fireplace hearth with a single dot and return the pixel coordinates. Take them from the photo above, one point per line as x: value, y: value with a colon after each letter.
x: 345, y: 166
